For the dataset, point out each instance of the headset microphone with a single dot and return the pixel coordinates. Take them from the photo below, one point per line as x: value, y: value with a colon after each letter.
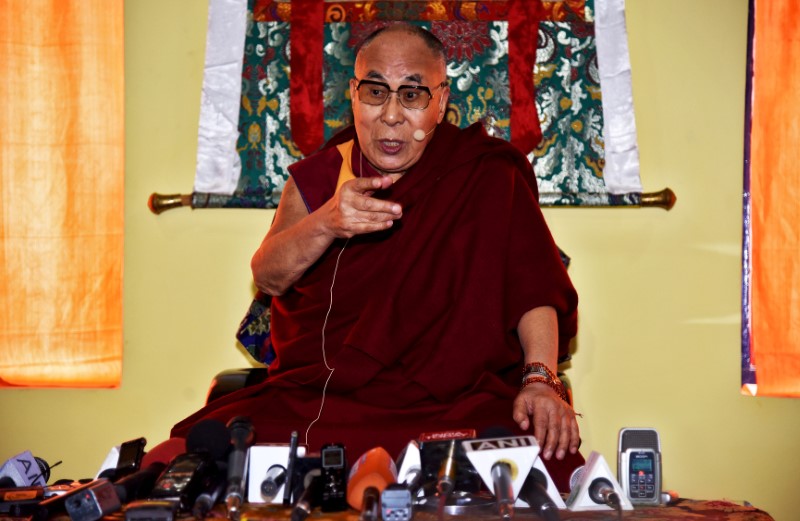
x: 420, y: 134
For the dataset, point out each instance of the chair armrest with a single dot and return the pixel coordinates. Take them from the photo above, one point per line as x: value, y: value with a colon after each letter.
x: 225, y: 382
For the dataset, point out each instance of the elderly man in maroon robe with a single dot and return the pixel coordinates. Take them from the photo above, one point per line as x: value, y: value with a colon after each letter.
x: 415, y: 285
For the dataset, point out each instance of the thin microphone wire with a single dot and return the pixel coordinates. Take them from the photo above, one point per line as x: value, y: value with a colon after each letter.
x: 327, y: 314
x: 324, y: 355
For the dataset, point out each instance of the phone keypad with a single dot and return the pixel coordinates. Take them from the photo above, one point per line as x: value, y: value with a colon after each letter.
x: 642, y: 485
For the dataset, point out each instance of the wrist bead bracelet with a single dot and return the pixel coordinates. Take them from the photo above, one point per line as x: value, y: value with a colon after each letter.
x: 538, y: 368
x: 556, y: 385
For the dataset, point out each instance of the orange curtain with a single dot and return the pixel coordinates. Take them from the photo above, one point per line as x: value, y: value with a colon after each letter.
x: 61, y: 193
x: 775, y: 196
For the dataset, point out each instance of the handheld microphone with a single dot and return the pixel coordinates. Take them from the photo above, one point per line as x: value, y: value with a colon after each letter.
x: 268, y: 474
x: 420, y: 134
x: 369, y: 510
x: 287, y: 490
x: 503, y: 464
x: 25, y: 470
x: 208, y: 498
x: 242, y: 436
x: 602, y: 492
x: 534, y: 493
x: 375, y: 468
x: 444, y: 465
x: 596, y: 489
x: 446, y: 479
x: 311, y: 496
x: 503, y: 489
x: 274, y: 480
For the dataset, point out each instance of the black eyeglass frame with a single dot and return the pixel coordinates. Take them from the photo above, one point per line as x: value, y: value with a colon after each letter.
x: 420, y: 88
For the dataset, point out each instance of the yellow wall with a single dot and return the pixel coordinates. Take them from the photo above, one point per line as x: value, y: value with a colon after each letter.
x: 660, y: 291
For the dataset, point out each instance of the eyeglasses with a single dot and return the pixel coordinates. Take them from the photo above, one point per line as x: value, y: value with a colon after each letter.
x: 415, y: 97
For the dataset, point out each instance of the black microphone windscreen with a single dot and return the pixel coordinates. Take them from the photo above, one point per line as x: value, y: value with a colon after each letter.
x: 241, y: 431
x: 210, y: 436
x: 44, y: 468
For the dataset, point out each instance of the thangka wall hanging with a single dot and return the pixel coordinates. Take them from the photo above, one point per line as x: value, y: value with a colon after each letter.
x: 771, y: 235
x: 551, y: 76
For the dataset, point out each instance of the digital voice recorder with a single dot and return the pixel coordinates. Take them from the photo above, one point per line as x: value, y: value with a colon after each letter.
x: 334, y: 478
x: 639, y: 465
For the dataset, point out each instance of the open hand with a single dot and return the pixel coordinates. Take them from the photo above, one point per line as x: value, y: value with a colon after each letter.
x: 555, y: 426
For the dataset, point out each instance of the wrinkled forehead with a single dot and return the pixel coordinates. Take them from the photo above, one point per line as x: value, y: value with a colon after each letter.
x: 399, y: 55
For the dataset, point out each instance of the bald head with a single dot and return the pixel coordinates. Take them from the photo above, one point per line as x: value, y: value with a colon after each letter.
x: 401, y: 30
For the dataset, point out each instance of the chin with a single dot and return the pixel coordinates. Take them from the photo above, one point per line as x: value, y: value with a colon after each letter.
x: 389, y: 167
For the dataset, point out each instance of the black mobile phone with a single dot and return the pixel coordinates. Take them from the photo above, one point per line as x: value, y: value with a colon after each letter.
x: 130, y: 456
x: 334, y: 478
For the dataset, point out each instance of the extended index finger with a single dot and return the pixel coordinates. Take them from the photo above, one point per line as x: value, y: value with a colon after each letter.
x: 367, y: 185
x: 362, y: 190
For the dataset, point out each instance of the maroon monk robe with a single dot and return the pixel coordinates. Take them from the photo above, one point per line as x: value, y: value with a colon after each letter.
x: 420, y: 331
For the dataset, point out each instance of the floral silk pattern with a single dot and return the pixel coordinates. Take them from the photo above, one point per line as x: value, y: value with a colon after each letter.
x: 568, y: 160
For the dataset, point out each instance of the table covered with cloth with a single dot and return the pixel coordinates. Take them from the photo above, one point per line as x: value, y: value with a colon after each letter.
x: 683, y: 509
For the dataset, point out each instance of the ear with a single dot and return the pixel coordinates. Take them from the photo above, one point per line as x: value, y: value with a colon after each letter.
x: 353, y: 91
x: 443, y: 104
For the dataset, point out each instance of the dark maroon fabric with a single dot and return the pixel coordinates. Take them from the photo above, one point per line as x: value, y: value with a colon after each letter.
x: 421, y: 329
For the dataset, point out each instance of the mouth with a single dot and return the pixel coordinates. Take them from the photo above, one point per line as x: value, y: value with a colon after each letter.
x: 390, y: 146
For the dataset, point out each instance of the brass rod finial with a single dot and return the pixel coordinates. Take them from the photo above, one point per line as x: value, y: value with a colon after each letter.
x: 160, y: 202
x: 663, y: 199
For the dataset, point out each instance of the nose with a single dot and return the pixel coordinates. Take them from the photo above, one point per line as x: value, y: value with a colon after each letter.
x: 392, y: 111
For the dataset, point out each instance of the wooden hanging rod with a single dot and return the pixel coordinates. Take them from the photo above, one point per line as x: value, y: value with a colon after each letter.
x: 159, y: 203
